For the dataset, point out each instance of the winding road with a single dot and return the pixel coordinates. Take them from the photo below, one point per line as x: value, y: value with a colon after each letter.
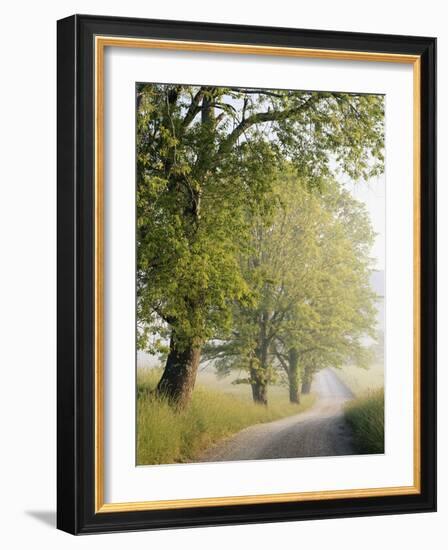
x: 320, y: 431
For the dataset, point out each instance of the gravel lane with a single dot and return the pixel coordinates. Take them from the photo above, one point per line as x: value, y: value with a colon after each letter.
x: 320, y: 431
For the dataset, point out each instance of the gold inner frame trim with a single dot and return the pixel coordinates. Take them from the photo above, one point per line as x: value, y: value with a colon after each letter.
x: 101, y: 42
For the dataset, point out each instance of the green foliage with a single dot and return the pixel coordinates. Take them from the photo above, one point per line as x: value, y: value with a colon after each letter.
x: 308, y: 270
x: 366, y: 417
x: 166, y: 436
x: 207, y: 158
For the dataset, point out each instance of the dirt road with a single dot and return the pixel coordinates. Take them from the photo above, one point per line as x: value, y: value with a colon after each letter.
x: 320, y: 431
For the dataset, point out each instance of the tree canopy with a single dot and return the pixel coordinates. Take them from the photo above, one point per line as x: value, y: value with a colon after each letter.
x: 308, y: 269
x: 207, y: 159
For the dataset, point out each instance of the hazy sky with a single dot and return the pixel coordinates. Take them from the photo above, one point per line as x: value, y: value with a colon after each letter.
x: 373, y: 195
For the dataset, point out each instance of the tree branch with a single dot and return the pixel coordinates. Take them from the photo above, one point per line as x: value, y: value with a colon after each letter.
x: 256, y: 91
x: 281, y: 359
x: 258, y: 118
x: 193, y: 109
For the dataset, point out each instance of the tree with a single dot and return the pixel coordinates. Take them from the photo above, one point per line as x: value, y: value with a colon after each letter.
x: 300, y: 266
x: 341, y: 299
x: 205, y: 159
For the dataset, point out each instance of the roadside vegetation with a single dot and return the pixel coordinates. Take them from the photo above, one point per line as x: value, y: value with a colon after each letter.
x: 362, y: 380
x: 167, y: 435
x: 365, y: 414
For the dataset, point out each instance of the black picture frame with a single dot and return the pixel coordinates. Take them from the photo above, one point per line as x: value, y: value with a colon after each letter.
x: 76, y: 272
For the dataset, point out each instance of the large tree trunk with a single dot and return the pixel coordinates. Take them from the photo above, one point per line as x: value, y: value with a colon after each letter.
x: 306, y: 380
x: 179, y: 376
x: 258, y: 384
x: 259, y: 392
x: 293, y: 375
x: 258, y: 377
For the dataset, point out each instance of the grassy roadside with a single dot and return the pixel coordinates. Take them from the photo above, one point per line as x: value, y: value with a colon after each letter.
x: 361, y: 380
x: 365, y: 414
x: 165, y: 436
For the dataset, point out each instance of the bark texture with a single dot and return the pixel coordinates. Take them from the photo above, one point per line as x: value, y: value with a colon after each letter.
x: 306, y: 380
x: 179, y: 376
x: 258, y: 373
x: 259, y: 393
x: 259, y: 386
x: 293, y: 375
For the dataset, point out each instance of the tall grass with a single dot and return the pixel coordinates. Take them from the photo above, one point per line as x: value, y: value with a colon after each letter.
x: 167, y: 436
x: 361, y: 380
x: 366, y: 416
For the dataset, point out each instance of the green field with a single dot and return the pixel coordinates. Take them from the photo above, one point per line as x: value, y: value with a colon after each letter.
x: 361, y: 380
x: 218, y: 409
x: 208, y: 378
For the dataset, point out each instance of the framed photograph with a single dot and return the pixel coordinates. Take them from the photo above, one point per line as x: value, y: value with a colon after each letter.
x: 246, y: 274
